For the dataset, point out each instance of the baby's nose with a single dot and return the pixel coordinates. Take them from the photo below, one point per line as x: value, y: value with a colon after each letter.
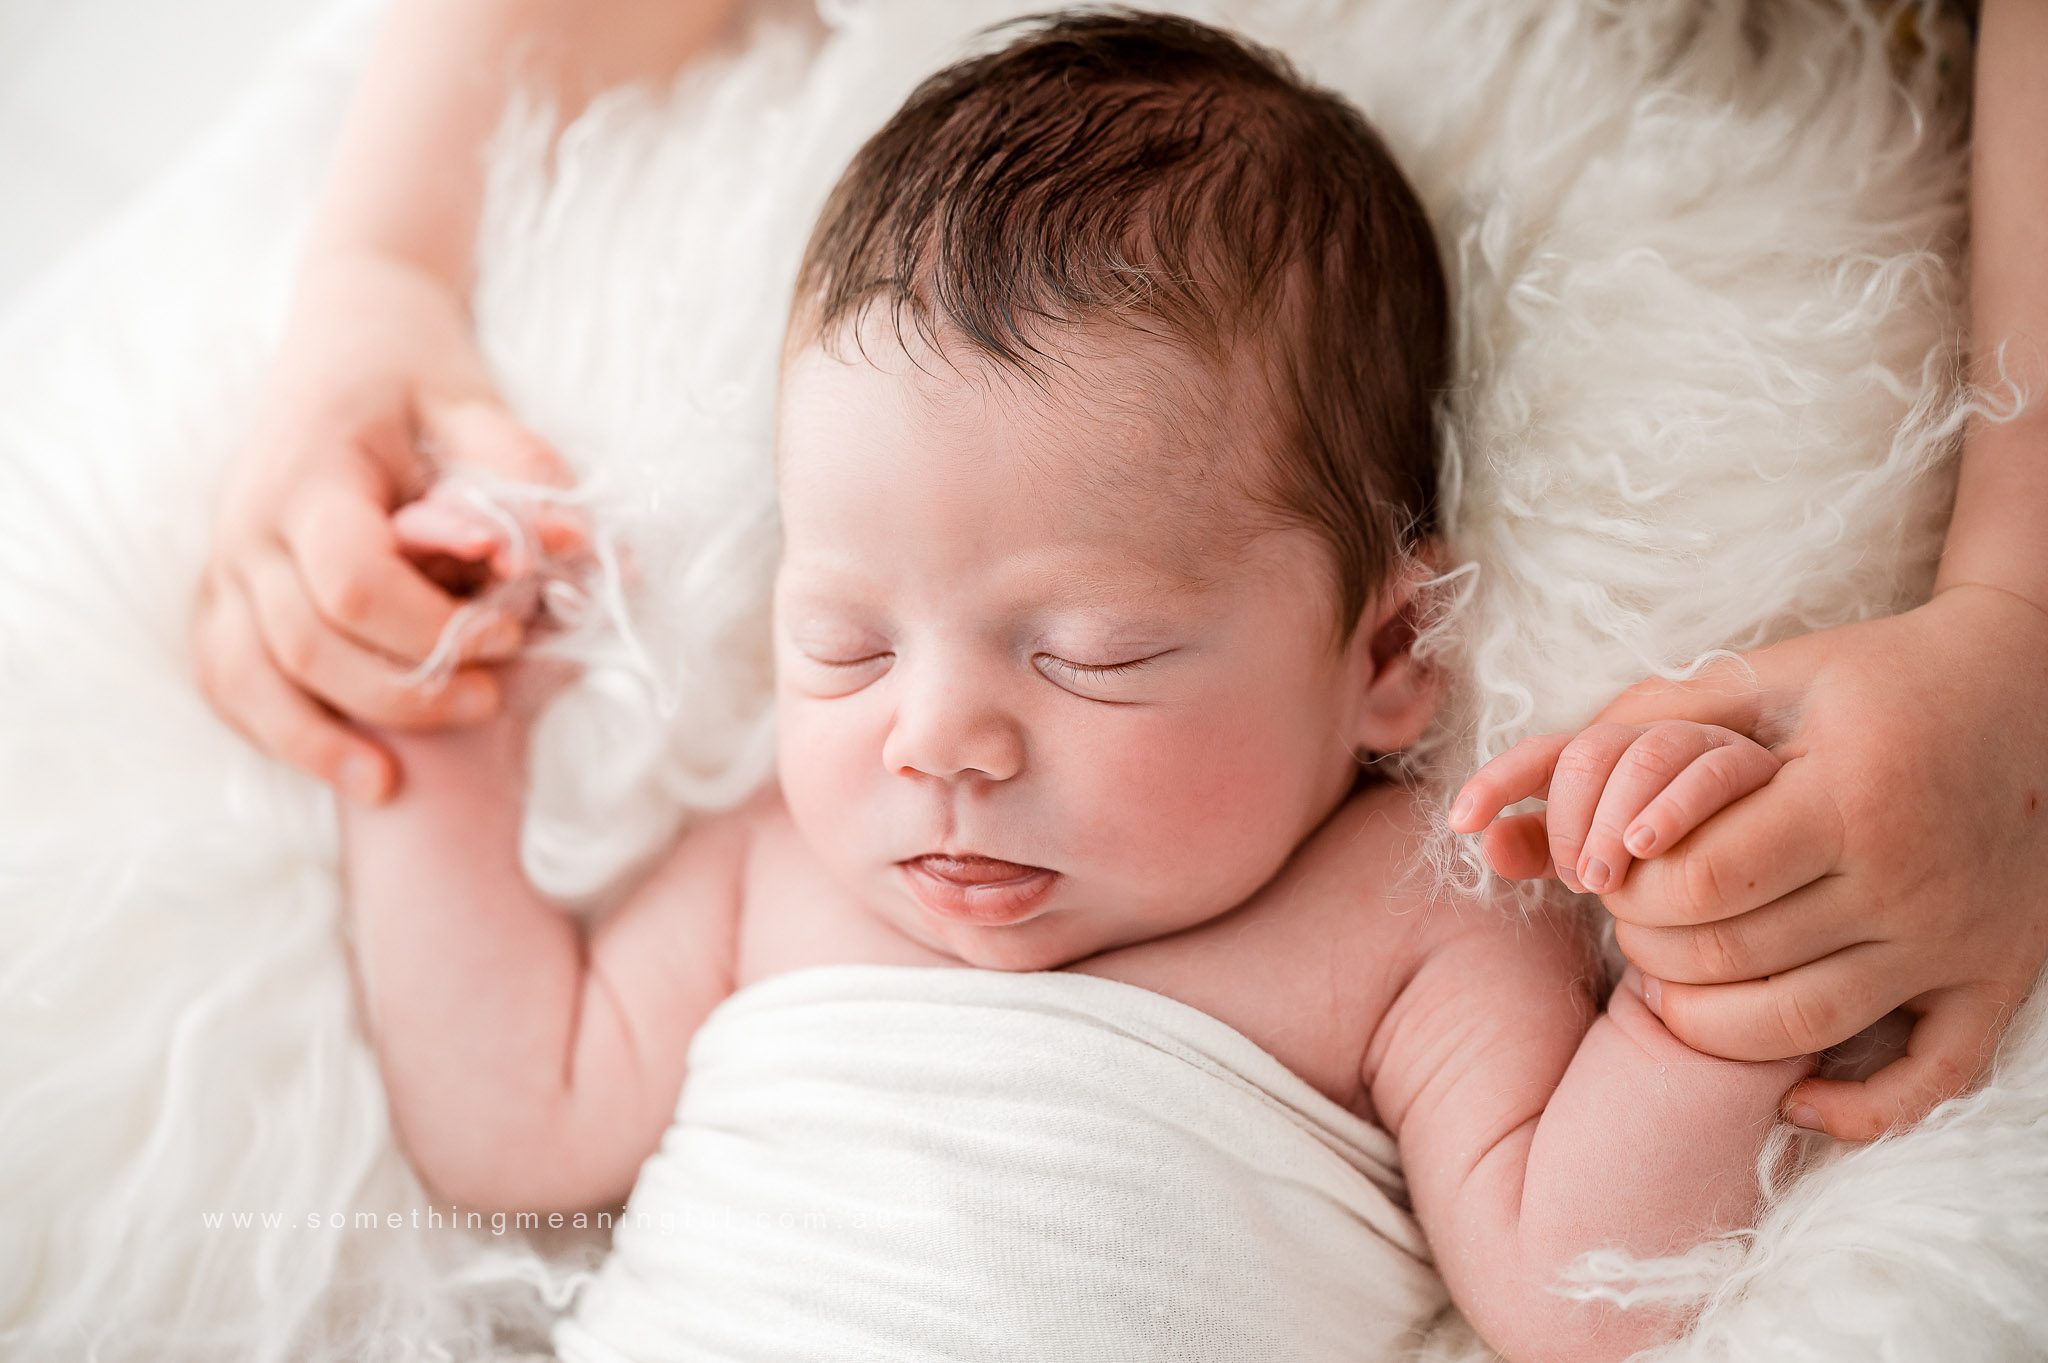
x: 944, y: 729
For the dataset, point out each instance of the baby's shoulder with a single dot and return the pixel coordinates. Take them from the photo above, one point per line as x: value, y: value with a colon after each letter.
x: 1370, y: 860
x: 1390, y: 843
x: 1359, y: 887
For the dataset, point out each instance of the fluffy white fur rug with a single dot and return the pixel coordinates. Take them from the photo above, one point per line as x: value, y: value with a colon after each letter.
x: 1705, y: 254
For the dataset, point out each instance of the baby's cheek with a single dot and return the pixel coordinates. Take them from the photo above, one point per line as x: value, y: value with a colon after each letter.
x: 1209, y: 806
x: 819, y: 768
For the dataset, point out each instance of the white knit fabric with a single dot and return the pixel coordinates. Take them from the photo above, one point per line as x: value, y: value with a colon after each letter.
x: 902, y: 1164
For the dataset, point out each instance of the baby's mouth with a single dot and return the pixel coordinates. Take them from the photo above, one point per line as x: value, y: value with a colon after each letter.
x: 972, y: 869
x: 977, y: 889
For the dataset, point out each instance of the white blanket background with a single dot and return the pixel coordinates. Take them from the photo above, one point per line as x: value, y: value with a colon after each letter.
x: 1707, y: 264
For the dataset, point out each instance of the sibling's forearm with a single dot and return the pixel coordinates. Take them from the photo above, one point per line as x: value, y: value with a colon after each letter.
x: 469, y: 979
x: 1646, y: 1146
x: 407, y: 175
x: 2002, y: 497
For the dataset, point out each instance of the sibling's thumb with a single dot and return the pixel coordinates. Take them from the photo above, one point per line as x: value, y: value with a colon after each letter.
x: 479, y: 433
x: 1755, y: 693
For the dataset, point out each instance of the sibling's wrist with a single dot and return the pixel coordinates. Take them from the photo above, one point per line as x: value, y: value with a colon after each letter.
x: 345, y: 270
x: 2006, y: 606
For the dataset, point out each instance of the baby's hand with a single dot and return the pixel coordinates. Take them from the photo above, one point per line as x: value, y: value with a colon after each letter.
x: 492, y: 554
x: 462, y: 546
x: 1613, y: 792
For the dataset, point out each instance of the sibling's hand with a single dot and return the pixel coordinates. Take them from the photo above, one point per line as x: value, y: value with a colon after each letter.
x: 1899, y: 858
x: 308, y: 614
x: 1611, y: 792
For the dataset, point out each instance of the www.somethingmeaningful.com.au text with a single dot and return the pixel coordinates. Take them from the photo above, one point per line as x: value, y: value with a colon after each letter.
x: 498, y: 1223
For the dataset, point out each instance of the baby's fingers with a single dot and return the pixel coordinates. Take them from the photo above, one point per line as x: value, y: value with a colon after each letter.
x: 1707, y: 786
x: 1518, y: 847
x: 509, y: 539
x: 435, y: 526
x: 1705, y: 767
x: 562, y: 531
x: 1520, y: 773
x: 449, y: 547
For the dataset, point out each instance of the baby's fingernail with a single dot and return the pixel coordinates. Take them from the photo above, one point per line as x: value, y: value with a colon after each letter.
x: 472, y: 701
x: 1653, y: 994
x: 500, y: 639
x: 1802, y: 1115
x: 1461, y: 808
x: 363, y: 777
x: 1594, y: 875
x: 559, y: 529
x: 1640, y: 841
x: 510, y: 562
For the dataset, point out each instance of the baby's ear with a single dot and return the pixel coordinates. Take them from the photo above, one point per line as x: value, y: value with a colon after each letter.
x: 1397, y: 693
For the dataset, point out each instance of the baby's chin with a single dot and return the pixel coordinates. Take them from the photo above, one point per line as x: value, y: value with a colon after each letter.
x: 1047, y: 942
x: 1053, y: 940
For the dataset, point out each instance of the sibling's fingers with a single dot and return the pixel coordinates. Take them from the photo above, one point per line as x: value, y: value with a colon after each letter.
x: 1520, y: 773
x: 361, y: 684
x: 248, y: 691
x: 1803, y: 927
x: 342, y: 546
x: 481, y: 433
x: 1793, y: 1014
x: 1952, y: 1043
x: 1763, y: 847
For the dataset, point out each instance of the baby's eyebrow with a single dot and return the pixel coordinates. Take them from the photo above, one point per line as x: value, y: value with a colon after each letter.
x: 1127, y: 589
x: 1065, y: 585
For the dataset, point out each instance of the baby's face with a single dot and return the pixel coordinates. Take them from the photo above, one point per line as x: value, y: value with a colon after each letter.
x: 982, y: 648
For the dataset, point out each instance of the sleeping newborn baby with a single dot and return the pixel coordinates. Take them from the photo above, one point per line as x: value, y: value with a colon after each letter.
x: 1073, y: 991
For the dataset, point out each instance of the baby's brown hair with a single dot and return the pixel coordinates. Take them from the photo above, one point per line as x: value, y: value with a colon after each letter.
x: 1122, y: 166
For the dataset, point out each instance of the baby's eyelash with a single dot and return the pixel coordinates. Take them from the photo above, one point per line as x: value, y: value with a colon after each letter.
x: 1093, y: 670
x: 1077, y: 669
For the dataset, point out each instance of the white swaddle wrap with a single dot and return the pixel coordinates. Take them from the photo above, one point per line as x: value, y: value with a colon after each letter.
x: 912, y: 1164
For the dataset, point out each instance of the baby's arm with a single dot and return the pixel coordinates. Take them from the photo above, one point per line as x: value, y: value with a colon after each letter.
x: 1529, y: 1137
x: 529, y: 1064
x: 1532, y: 1136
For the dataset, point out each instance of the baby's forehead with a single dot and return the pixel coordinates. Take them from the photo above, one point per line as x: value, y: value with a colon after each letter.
x: 1137, y: 426
x: 1123, y: 454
